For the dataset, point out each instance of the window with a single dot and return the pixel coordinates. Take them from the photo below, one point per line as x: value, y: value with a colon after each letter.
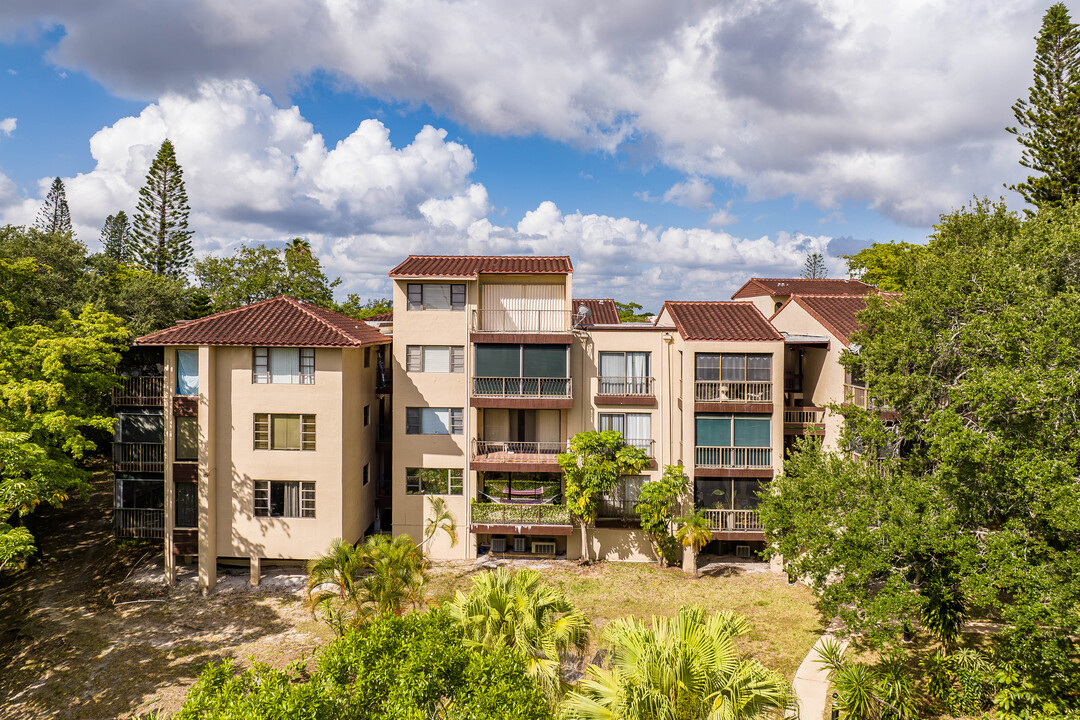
x: 733, y: 430
x: 733, y: 367
x: 367, y: 474
x: 367, y: 415
x: 187, y: 504
x: 187, y: 372
x: 367, y: 356
x: 187, y: 438
x: 433, y: 481
x: 141, y: 426
x: 624, y: 373
x: 635, y: 427
x: 136, y: 493
x: 725, y: 494
x: 436, y: 296
x: 620, y: 502
x: 435, y: 358
x: 434, y: 421
x: 528, y: 361
x: 284, y: 432
x: 284, y: 498
x: 295, y: 366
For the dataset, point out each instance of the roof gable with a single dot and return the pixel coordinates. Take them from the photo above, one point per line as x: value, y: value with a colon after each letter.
x: 719, y: 321
x: 836, y: 313
x: 780, y: 287
x: 278, y: 322
x: 469, y: 266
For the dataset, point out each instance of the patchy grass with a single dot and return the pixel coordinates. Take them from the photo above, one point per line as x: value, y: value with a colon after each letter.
x: 785, y: 623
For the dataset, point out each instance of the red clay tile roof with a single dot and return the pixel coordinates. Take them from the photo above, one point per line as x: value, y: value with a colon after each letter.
x: 835, y: 312
x: 279, y: 321
x: 722, y: 320
x: 604, y: 311
x: 756, y: 287
x: 384, y: 317
x: 472, y: 265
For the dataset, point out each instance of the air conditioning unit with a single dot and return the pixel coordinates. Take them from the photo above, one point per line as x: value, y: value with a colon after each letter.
x: 543, y: 547
x: 498, y: 544
x: 519, y: 544
x: 742, y: 551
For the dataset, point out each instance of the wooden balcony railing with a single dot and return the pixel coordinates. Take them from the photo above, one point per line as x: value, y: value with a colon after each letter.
x: 733, y: 457
x: 803, y: 416
x: 516, y: 387
x: 519, y: 514
x: 635, y: 386
x: 731, y: 391
x: 521, y: 321
x: 734, y: 520
x: 142, y: 523
x: 138, y: 457
x: 140, y: 391
x: 516, y: 450
x: 857, y: 395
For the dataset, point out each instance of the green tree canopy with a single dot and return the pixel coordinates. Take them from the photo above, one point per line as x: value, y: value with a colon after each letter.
x: 54, y: 218
x: 629, y: 312
x: 814, y: 268
x: 58, y: 279
x: 655, y: 509
x: 116, y: 238
x: 886, y: 266
x: 979, y: 363
x: 258, y: 272
x: 592, y: 468
x: 363, y: 309
x: 1048, y: 122
x: 160, y: 235
x: 414, y: 667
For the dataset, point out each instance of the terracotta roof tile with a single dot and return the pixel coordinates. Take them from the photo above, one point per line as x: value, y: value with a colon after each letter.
x: 383, y: 317
x: 722, y: 320
x: 279, y: 321
x: 604, y: 311
x: 470, y: 266
x: 835, y: 312
x: 756, y: 287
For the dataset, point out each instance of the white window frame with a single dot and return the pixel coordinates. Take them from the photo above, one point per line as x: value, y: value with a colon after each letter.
x: 262, y: 371
x: 414, y: 422
x: 454, y: 481
x: 416, y: 300
x: 262, y: 492
x: 263, y: 427
x: 415, y: 358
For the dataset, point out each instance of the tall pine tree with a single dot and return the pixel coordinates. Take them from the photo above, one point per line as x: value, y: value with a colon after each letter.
x: 54, y: 217
x: 116, y: 237
x: 160, y: 237
x: 814, y: 269
x: 1048, y: 122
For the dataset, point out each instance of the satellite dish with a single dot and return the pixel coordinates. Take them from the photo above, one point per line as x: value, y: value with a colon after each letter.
x: 584, y: 311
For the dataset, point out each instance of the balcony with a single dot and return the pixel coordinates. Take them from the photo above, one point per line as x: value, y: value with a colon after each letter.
x: 753, y: 458
x: 138, y: 457
x: 734, y: 521
x: 646, y: 445
x: 724, y: 391
x: 140, y: 523
x: 523, y: 456
x: 520, y: 519
x: 522, y: 321
x: 518, y: 387
x: 804, y: 420
x: 139, y: 391
x: 628, y: 386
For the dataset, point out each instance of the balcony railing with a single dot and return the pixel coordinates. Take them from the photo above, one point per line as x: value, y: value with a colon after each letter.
x: 646, y: 445
x: 516, y: 450
x: 138, y: 457
x: 516, y: 387
x: 143, y: 523
x: 733, y: 457
x: 734, y: 520
x: 857, y: 395
x: 803, y: 416
x: 518, y: 514
x: 143, y: 390
x: 635, y: 386
x: 732, y: 391
x: 521, y: 321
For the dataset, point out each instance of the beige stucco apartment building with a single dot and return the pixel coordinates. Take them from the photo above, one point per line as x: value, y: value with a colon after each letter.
x: 263, y: 433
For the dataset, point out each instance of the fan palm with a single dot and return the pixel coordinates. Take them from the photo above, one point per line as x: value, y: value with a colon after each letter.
x: 441, y: 519
x: 694, y: 532
x: 332, y: 587
x: 520, y: 611
x: 680, y: 668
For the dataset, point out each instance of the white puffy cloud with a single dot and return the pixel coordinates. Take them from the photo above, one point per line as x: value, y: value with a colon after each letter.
x: 899, y: 106
x: 7, y: 126
x: 695, y: 193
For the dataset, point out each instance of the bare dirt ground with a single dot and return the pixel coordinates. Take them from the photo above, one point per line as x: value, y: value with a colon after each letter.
x: 74, y: 645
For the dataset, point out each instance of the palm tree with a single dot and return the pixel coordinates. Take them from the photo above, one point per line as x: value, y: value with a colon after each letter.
x: 441, y: 519
x: 695, y: 533
x: 680, y: 668
x: 332, y: 586
x: 520, y: 611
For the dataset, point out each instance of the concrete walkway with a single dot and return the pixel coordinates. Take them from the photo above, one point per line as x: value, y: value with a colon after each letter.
x: 811, y: 683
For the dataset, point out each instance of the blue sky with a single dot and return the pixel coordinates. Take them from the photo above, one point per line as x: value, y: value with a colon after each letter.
x: 672, y: 151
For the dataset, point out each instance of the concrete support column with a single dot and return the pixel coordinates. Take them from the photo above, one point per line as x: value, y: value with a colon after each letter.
x: 207, y: 476
x: 256, y: 570
x: 170, y: 451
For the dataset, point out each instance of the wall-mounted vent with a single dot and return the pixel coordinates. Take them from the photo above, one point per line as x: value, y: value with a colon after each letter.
x: 742, y: 551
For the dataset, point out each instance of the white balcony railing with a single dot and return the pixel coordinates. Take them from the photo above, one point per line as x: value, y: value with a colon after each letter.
x: 733, y: 457
x: 521, y: 321
x: 732, y: 391
x: 734, y: 520
x: 634, y: 386
x: 516, y: 387
x: 803, y: 416
x: 138, y: 457
x: 641, y: 444
x: 140, y: 391
x: 517, y: 450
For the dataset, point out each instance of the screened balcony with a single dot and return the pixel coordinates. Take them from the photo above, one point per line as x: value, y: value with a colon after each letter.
x: 733, y: 441
x: 733, y: 377
x: 521, y: 372
x: 520, y: 308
